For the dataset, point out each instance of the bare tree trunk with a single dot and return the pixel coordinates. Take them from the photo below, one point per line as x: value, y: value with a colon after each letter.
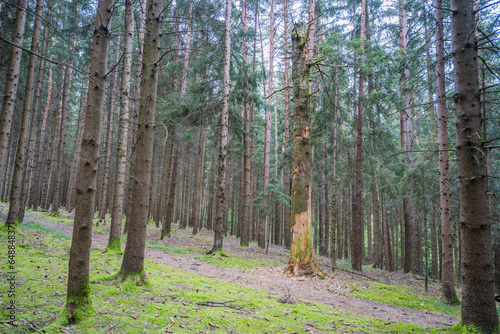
x: 56, y: 202
x: 78, y: 302
x: 302, y: 259
x: 170, y: 209
x: 133, y: 257
x: 103, y: 208
x: 37, y: 114
x: 221, y: 175
x: 286, y: 137
x: 478, y: 304
x: 210, y: 195
x: 11, y: 83
x: 38, y: 172
x: 51, y: 160
x: 198, y: 185
x: 70, y: 198
x: 358, y: 252
x: 114, y: 242
x: 389, y: 264
x: 334, y: 222
x: 447, y: 273
x: 135, y: 114
x: 16, y: 200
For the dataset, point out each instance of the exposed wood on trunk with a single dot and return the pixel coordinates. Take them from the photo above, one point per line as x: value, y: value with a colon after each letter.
x: 302, y: 258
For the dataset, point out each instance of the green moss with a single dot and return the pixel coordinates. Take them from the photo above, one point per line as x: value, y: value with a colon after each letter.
x: 469, y: 329
x: 114, y: 247
x: 139, y: 279
x: 78, y: 305
x: 404, y: 297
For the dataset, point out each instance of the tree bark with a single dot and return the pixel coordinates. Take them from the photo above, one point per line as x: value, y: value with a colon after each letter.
x: 198, y: 184
x: 286, y: 137
x: 119, y: 185
x: 478, y: 304
x: 78, y: 302
x: 103, y: 208
x: 37, y: 112
x: 357, y: 246
x: 221, y: 175
x: 11, y: 83
x: 302, y: 259
x: 15, y: 199
x: 447, y: 271
x: 133, y: 257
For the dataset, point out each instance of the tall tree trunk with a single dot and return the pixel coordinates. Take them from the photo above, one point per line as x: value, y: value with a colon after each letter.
x: 11, y: 83
x: 247, y: 183
x: 198, y: 184
x: 39, y: 165
x: 119, y: 185
x: 286, y: 137
x: 133, y: 257
x: 221, y: 174
x: 411, y: 244
x: 302, y: 259
x: 103, y: 208
x: 135, y: 114
x: 447, y: 272
x: 358, y: 251
x: 61, y: 165
x: 389, y: 266
x: 70, y: 198
x: 78, y: 302
x: 37, y: 113
x: 478, y: 305
x: 19, y: 164
x: 334, y: 231
x: 172, y: 188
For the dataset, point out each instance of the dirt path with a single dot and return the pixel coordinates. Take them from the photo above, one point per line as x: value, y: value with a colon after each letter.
x: 329, y: 291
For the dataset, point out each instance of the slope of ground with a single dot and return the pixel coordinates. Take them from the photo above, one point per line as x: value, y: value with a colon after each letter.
x: 244, y: 293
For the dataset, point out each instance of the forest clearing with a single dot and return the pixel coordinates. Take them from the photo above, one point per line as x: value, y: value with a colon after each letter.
x: 191, y: 292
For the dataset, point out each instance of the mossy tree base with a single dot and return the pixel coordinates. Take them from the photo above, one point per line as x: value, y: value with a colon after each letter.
x: 78, y: 307
x: 114, y: 247
x: 217, y: 253
x: 140, y: 279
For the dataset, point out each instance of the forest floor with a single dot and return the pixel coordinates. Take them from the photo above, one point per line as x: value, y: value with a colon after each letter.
x: 246, y: 292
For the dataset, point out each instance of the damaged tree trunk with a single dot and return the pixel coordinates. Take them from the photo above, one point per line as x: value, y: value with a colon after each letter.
x: 302, y: 259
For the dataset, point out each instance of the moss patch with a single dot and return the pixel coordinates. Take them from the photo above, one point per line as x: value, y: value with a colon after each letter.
x: 403, y: 296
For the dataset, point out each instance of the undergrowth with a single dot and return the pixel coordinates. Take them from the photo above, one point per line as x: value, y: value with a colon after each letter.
x: 176, y: 301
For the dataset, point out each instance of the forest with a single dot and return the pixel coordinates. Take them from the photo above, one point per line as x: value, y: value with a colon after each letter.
x: 252, y: 166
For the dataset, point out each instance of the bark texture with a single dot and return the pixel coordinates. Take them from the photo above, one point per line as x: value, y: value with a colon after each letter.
x: 123, y: 132
x: 133, y: 258
x: 478, y: 304
x: 20, y: 160
x: 11, y: 83
x: 447, y: 271
x: 221, y: 174
x: 78, y: 302
x: 302, y: 259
